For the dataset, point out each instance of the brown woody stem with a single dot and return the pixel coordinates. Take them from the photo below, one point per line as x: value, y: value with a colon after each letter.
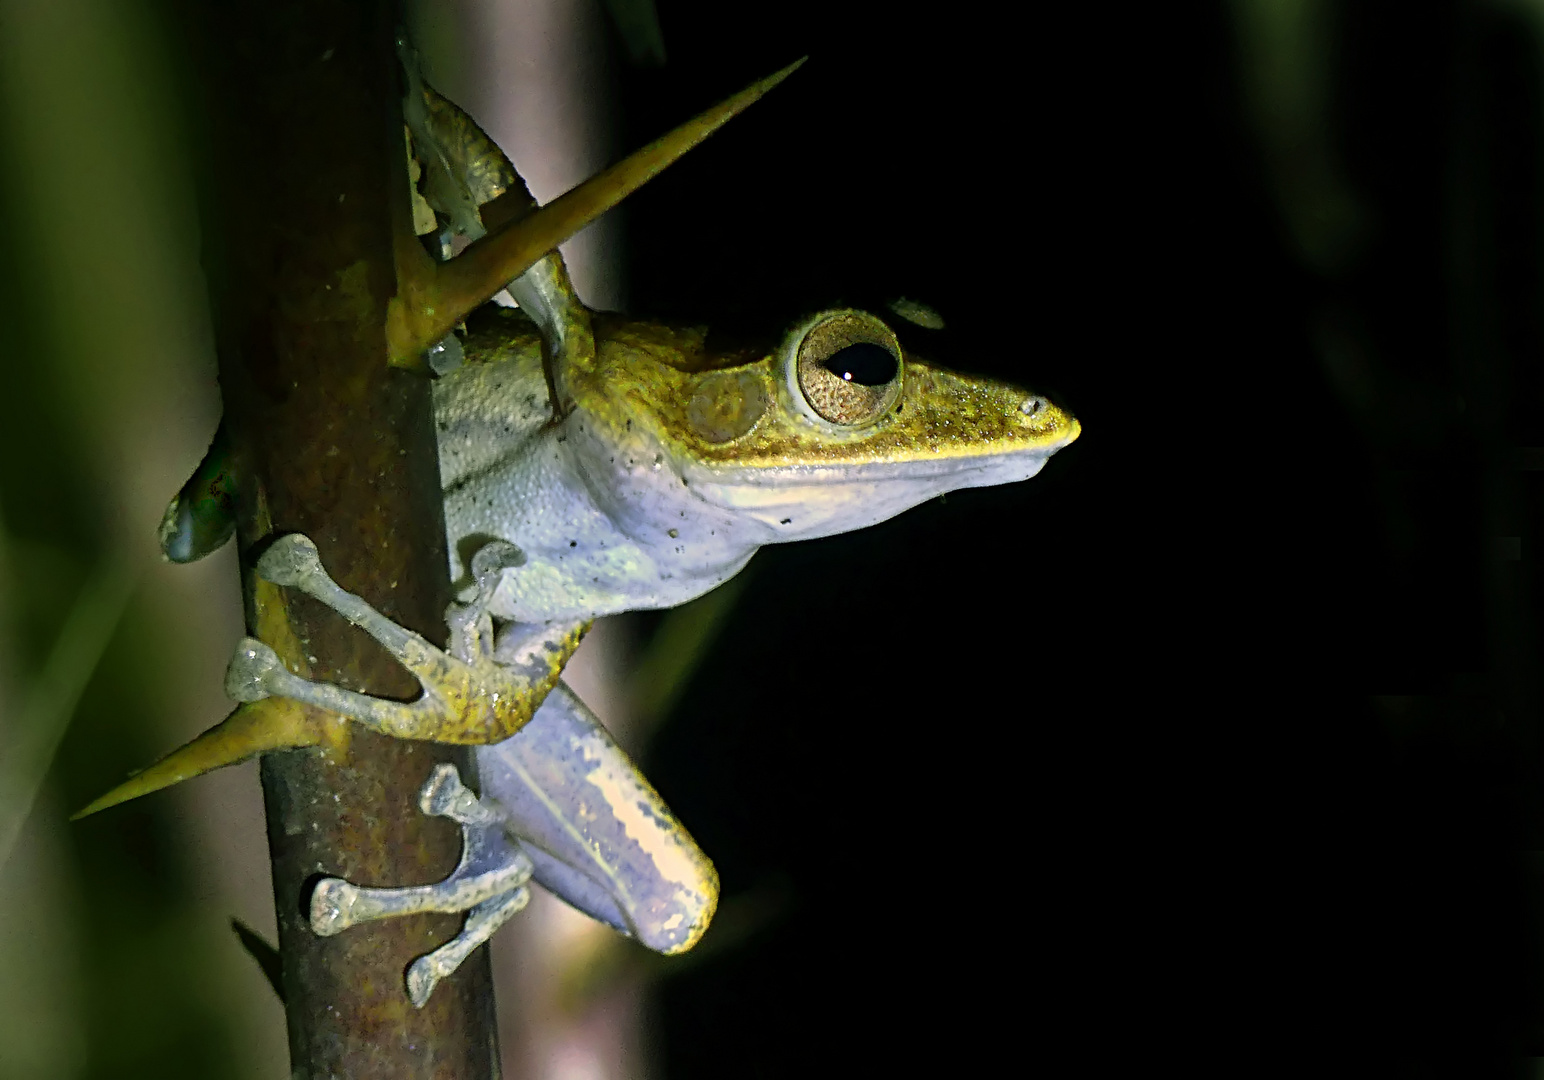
x: 307, y: 224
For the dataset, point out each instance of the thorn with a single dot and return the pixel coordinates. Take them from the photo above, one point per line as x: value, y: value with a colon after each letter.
x: 266, y: 955
x: 433, y: 298
x: 254, y: 727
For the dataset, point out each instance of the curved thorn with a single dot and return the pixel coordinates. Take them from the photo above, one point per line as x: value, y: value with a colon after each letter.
x: 425, y: 310
x: 252, y: 728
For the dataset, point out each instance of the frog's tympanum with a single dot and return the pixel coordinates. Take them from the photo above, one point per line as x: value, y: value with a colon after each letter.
x: 592, y: 464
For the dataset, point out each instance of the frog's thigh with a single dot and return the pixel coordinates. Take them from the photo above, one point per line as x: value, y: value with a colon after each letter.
x: 598, y: 835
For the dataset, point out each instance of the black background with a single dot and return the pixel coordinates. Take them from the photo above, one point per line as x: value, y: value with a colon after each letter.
x: 1224, y: 730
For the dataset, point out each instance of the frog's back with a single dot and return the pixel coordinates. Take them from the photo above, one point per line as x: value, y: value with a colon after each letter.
x: 487, y: 410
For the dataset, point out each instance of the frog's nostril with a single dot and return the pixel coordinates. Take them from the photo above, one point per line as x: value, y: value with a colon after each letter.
x: 1031, y: 405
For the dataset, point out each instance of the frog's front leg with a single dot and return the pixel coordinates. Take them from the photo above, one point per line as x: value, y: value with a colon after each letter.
x: 468, y: 698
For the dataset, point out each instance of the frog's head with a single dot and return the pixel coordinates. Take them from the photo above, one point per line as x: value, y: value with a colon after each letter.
x: 835, y: 427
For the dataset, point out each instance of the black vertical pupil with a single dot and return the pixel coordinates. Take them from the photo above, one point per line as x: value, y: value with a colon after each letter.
x: 865, y: 363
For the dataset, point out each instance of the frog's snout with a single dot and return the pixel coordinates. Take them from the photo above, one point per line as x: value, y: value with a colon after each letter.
x: 1040, y: 419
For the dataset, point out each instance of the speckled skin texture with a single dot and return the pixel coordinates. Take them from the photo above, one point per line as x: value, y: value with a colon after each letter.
x: 630, y: 502
x: 551, y: 489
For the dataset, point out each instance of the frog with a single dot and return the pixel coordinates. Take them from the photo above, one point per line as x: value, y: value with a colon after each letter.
x: 591, y: 463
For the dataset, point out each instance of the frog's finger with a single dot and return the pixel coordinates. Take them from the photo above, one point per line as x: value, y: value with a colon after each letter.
x: 596, y: 831
x: 433, y: 298
x: 253, y: 728
x: 201, y: 517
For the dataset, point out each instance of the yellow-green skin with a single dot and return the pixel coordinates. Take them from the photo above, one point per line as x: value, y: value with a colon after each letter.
x: 634, y: 467
x: 673, y: 464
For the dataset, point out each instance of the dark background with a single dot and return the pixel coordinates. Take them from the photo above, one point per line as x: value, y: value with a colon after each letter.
x: 1221, y: 735
x: 1224, y: 731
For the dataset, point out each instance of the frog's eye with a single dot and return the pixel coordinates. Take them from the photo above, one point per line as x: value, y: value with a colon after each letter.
x: 847, y: 368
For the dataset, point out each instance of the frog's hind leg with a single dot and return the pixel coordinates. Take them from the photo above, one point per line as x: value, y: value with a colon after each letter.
x: 488, y: 882
x: 561, y: 804
x: 597, y: 832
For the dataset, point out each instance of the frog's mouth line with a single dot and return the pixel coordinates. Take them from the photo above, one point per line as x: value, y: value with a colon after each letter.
x: 803, y: 502
x: 1009, y: 465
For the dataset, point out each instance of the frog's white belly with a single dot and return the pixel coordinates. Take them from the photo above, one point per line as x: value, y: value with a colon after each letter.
x: 601, y: 531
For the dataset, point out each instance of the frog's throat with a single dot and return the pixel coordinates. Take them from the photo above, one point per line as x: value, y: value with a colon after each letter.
x: 253, y: 728
x: 432, y: 298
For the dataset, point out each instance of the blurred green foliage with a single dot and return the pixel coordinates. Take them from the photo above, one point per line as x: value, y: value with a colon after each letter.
x: 109, y: 967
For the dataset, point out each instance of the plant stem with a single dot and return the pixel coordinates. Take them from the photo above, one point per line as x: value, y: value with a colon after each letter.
x: 306, y: 187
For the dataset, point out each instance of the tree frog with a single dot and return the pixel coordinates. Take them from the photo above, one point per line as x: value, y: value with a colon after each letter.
x: 595, y: 463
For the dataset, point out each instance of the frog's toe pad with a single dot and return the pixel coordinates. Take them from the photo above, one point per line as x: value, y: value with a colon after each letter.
x: 332, y: 907
x: 291, y: 560
x: 444, y: 795
x: 253, y: 671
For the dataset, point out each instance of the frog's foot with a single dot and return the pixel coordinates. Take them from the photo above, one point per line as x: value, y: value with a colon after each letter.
x: 489, y: 882
x: 467, y: 698
x: 425, y: 973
